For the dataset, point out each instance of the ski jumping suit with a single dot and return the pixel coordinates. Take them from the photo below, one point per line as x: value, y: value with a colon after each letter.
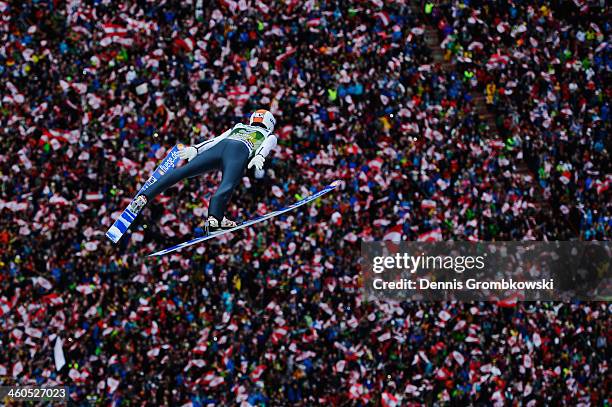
x: 230, y: 153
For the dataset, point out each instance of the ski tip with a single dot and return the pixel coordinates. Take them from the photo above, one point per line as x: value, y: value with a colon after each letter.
x: 159, y: 253
x: 113, y: 234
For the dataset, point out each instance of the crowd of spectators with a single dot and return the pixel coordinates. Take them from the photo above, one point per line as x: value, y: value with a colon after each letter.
x: 93, y: 93
x: 545, y: 71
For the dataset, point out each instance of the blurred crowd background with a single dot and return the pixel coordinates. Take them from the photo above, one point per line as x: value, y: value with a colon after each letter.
x: 447, y: 120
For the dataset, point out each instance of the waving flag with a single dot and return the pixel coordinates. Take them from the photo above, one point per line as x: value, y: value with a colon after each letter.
x: 384, y: 18
x: 257, y: 372
x: 358, y: 392
x: 278, y: 334
x: 115, y: 33
x: 282, y: 57
x: 5, y: 306
x: 431, y: 236
x: 389, y: 400
x: 58, y: 354
x: 394, y: 234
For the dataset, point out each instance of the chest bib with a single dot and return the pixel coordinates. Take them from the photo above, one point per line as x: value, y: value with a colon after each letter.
x: 252, y: 137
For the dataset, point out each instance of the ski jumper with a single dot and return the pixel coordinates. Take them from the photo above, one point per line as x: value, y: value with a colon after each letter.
x: 229, y: 153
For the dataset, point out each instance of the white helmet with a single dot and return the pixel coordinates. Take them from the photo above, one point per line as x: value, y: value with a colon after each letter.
x: 264, y: 117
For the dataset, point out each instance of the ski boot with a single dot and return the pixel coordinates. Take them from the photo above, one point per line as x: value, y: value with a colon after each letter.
x: 213, y: 225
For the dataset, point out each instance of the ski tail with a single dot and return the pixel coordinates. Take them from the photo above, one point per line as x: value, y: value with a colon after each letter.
x: 124, y: 221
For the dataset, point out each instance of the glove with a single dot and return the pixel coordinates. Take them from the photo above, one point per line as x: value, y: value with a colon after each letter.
x: 188, y: 153
x: 257, y: 162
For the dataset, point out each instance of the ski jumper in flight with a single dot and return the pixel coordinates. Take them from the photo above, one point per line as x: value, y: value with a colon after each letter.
x: 229, y: 153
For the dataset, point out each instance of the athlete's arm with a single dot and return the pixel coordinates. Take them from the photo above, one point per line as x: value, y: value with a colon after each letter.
x: 190, y: 152
x: 267, y: 146
x: 262, y: 152
x: 205, y: 145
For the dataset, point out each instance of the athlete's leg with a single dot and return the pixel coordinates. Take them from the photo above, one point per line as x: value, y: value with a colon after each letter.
x: 235, y: 159
x: 206, y: 161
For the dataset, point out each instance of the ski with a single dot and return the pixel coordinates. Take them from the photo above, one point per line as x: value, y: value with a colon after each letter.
x: 123, y: 222
x: 248, y: 223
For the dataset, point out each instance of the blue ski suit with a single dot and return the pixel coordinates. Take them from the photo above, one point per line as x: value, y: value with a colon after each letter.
x: 229, y: 153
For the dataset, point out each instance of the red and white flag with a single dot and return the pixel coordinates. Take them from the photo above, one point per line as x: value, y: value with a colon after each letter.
x: 443, y: 374
x: 115, y: 33
x: 537, y: 340
x: 358, y: 392
x: 384, y: 18
x: 376, y: 164
x: 208, y: 377
x: 212, y: 380
x: 313, y: 22
x: 458, y: 357
x: 137, y: 236
x: 58, y: 354
x: 186, y: 44
x: 53, y: 299
x: 394, y: 234
x: 85, y: 289
x: 282, y: 57
x: 602, y: 186
x: 153, y: 352
x: 444, y: 315
x: 510, y: 301
x: 127, y: 164
x: 238, y: 95
x: 276, y: 191
x: 17, y: 369
x: 471, y: 338
x: 428, y: 204
x: 412, y: 389
x: 257, y: 372
x: 153, y: 330
x: 262, y: 7
x: 33, y: 332
x: 354, y: 149
x: 389, y: 400
x: 112, y: 384
x: 351, y: 237
x: 278, y: 334
x: 58, y: 200
x: 200, y: 349
x: 43, y: 282
x: 217, y: 381
x: 93, y: 196
x: 565, y: 177
x: 5, y: 306
x: 431, y: 236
